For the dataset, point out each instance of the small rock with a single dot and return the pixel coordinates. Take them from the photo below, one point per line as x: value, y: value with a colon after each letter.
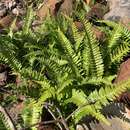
x: 126, y: 22
x: 124, y: 74
x: 118, y: 10
x: 15, y: 11
x: 10, y: 4
x: 80, y: 127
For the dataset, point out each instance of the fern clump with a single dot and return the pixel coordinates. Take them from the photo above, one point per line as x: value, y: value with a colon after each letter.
x: 65, y: 67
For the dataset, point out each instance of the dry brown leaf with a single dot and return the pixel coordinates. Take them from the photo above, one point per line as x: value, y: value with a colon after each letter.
x: 47, y: 5
x: 98, y: 33
x: 67, y: 7
x: 126, y: 22
x: 6, y: 21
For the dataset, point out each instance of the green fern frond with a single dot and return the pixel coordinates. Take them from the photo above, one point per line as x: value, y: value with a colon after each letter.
x: 100, y: 81
x: 109, y: 23
x: 36, y: 114
x: 79, y: 101
x: 31, y: 113
x: 64, y: 82
x: 108, y: 93
x: 84, y: 108
x: 28, y: 21
x: 86, y: 60
x: 8, y: 53
x: 120, y: 52
x: 118, y: 45
x: 8, y: 57
x: 90, y: 110
x: 97, y: 98
x: 48, y: 90
x: 30, y: 74
x: 95, y: 57
x: 72, y: 57
x: 27, y: 113
x: 65, y: 43
x: 78, y: 37
x: 115, y: 36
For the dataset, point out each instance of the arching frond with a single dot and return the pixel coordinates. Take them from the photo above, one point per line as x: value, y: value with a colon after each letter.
x: 95, y: 57
x: 120, y: 52
x: 115, y: 36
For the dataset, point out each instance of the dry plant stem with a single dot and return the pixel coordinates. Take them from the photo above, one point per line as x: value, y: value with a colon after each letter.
x: 49, y: 110
x: 41, y: 123
x: 63, y: 121
x: 46, y: 123
x: 8, y: 118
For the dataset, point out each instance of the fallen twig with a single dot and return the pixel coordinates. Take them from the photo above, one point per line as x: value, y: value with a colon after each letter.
x: 41, y: 123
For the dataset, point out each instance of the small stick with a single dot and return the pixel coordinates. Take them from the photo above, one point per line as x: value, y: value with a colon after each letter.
x: 41, y: 123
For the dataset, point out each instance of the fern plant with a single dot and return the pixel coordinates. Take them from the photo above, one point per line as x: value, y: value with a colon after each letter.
x: 65, y: 67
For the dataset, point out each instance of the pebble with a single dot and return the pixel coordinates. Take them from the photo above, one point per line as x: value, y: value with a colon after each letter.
x: 10, y: 4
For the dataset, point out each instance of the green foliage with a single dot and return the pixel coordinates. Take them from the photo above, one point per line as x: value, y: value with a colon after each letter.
x: 66, y: 67
x: 28, y: 21
x: 118, y: 41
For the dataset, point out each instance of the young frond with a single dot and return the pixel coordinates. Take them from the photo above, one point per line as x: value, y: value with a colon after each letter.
x: 27, y: 112
x: 48, y: 91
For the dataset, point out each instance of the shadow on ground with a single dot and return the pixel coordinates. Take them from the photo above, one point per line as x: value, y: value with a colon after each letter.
x: 117, y: 114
